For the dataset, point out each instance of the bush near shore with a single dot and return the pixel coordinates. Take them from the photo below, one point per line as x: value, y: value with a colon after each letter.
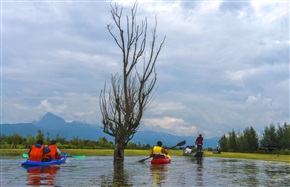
x: 145, y: 153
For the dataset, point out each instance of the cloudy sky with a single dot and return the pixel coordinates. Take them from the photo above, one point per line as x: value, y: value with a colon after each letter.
x: 224, y: 65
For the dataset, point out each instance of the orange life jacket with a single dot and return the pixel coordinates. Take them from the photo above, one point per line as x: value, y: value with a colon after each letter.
x: 53, y: 152
x: 36, y: 153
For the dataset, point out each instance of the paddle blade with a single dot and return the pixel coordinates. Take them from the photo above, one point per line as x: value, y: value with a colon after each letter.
x: 79, y: 156
x: 181, y: 143
x: 25, y: 155
x: 76, y: 156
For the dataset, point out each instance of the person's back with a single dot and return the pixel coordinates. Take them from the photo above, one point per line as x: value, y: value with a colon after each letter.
x: 188, y: 150
x: 54, y: 152
x: 199, y: 143
x: 159, y: 152
x: 36, y: 151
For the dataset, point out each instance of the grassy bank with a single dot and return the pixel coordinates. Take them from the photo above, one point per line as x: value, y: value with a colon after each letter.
x: 88, y: 152
x: 256, y: 156
x: 145, y: 153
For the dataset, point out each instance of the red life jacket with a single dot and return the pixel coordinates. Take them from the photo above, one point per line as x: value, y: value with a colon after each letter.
x: 53, y: 153
x: 36, y: 153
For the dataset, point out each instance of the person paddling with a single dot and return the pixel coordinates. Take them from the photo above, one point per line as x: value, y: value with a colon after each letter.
x: 159, y: 152
x: 37, y: 151
x: 199, y: 143
x: 54, y: 152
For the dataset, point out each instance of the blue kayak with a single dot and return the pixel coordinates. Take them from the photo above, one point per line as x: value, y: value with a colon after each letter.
x: 35, y: 163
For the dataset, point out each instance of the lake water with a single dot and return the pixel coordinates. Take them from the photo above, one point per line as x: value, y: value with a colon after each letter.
x: 183, y: 171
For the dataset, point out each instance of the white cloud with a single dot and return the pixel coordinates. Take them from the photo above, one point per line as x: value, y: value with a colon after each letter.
x: 224, y: 65
x: 169, y: 125
x: 44, y: 104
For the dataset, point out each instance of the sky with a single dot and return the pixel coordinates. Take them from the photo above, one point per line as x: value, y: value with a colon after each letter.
x: 224, y: 65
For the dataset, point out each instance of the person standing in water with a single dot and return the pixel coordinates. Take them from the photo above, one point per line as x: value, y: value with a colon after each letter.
x: 199, y: 143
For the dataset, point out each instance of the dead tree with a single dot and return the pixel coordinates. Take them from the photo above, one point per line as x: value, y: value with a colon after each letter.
x: 124, y: 103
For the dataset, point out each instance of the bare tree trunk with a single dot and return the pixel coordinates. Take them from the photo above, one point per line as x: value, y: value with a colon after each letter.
x: 119, y: 151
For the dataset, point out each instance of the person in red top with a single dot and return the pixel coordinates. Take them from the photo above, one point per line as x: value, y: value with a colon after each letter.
x: 54, y: 152
x: 199, y: 143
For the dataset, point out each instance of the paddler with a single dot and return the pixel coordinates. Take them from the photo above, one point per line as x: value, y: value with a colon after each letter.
x: 37, y: 151
x: 54, y: 152
x: 199, y: 143
x: 159, y: 152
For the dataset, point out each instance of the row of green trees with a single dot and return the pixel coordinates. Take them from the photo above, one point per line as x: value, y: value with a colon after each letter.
x: 273, y: 138
x: 17, y: 141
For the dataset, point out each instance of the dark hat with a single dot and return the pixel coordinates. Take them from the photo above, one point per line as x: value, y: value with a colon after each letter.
x: 52, y: 142
x: 39, y: 141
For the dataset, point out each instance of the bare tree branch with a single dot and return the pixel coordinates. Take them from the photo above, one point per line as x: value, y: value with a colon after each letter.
x: 131, y: 92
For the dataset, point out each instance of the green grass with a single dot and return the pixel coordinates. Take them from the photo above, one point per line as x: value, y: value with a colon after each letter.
x: 145, y: 153
x: 256, y: 156
x: 89, y: 152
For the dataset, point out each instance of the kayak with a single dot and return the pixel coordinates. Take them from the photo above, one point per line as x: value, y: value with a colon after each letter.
x: 160, y: 160
x: 35, y: 163
x: 193, y: 154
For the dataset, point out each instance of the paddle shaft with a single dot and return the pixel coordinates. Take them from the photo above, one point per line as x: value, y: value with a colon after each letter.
x: 144, y: 159
x: 78, y: 156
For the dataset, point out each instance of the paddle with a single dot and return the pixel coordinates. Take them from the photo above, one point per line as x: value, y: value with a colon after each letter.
x: 179, y: 144
x: 77, y: 156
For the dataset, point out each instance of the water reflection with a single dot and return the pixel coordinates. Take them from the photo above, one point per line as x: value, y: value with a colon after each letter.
x: 199, y: 171
x: 100, y: 171
x: 158, y: 172
x: 253, y: 169
x: 120, y: 177
x: 199, y: 160
x: 42, y: 175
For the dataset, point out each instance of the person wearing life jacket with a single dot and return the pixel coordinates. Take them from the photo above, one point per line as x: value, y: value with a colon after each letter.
x: 54, y: 152
x: 159, y: 152
x: 37, y: 151
x: 199, y: 143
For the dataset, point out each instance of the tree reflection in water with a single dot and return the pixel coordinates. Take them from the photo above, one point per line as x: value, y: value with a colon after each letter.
x: 120, y: 178
x: 42, y: 175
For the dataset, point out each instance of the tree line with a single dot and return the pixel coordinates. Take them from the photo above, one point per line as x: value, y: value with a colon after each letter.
x: 273, y: 139
x: 17, y: 141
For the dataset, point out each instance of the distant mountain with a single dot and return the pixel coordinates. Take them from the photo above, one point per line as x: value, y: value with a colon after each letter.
x: 54, y: 125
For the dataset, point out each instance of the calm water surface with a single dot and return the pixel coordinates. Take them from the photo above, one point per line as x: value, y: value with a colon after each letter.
x: 183, y: 171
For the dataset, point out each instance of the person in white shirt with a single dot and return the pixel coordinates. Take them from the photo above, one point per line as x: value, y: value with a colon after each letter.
x: 187, y: 150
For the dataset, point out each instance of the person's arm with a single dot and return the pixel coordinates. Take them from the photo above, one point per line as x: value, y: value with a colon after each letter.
x: 151, y: 154
x: 164, y: 151
x: 46, y: 150
x: 58, y: 151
